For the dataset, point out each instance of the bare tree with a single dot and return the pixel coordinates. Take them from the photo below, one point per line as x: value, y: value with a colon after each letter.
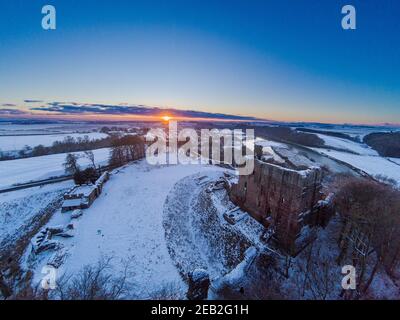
x: 96, y: 282
x: 371, y: 226
x: 168, y: 291
x: 314, y: 274
x: 71, y: 163
x: 90, y: 156
x: 125, y: 149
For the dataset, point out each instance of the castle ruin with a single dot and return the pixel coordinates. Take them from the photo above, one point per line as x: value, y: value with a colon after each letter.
x: 283, y: 197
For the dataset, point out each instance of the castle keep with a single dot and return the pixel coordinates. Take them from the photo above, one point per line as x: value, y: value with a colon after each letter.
x: 282, y: 197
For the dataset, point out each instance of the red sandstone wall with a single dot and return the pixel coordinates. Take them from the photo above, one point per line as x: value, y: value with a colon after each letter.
x: 281, y: 194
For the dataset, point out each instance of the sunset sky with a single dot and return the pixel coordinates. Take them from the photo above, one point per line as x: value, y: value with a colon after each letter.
x: 282, y: 60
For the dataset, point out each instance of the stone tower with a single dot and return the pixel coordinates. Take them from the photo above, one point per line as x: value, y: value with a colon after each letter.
x: 280, y: 198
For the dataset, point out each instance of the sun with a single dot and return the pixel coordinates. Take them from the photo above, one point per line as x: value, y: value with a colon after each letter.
x: 166, y: 118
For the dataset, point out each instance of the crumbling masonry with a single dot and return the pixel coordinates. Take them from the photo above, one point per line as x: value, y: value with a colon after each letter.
x: 284, y: 200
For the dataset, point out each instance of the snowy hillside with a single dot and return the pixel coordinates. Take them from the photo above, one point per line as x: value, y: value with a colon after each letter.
x: 376, y: 166
x: 20, y: 209
x: 361, y: 156
x: 39, y: 168
x: 15, y: 143
x: 345, y: 144
x: 126, y: 223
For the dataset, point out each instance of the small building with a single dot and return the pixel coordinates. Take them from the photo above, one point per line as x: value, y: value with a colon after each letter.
x: 82, y: 197
x: 71, y: 205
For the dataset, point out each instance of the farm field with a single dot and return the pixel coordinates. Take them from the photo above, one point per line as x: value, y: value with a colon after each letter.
x: 18, y: 142
x: 38, y: 168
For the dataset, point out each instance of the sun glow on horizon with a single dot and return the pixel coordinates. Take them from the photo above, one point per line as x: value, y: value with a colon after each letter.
x: 166, y: 118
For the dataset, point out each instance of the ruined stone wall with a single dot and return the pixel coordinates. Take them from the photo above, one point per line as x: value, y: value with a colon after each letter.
x: 277, y: 195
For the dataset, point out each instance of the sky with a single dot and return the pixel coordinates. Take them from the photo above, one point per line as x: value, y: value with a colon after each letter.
x: 281, y: 60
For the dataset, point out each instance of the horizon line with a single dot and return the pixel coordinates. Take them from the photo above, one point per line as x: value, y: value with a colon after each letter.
x: 92, y: 118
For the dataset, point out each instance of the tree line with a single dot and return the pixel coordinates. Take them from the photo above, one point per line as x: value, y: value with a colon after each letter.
x: 123, y: 150
x: 68, y: 144
x: 288, y: 135
x: 370, y: 235
x: 387, y: 144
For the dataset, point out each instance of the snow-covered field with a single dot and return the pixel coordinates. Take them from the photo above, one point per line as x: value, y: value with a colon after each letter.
x: 162, y: 219
x: 15, y: 129
x: 126, y: 222
x: 49, y: 128
x: 38, y: 168
x: 375, y: 166
x: 366, y: 159
x: 345, y: 144
x: 396, y: 160
x: 354, y: 131
x: 18, y: 142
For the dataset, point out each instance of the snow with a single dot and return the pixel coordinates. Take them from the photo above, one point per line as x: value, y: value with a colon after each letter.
x: 188, y: 248
x: 270, y: 154
x: 54, y: 128
x: 352, y: 130
x: 237, y: 274
x: 72, y: 202
x: 198, y: 236
x: 84, y: 190
x: 39, y: 168
x: 18, y: 142
x: 12, y: 128
x: 18, y: 208
x: 268, y: 143
x: 346, y: 144
x: 18, y: 194
x: 126, y: 221
x: 199, y: 274
x: 396, y: 160
x: 373, y: 165
x: 366, y: 159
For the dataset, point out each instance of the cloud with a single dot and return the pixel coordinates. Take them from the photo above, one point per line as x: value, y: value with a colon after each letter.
x: 11, y: 112
x: 140, y: 110
x: 32, y: 101
x: 8, y: 105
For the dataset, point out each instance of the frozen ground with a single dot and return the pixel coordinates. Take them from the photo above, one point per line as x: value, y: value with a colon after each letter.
x: 14, y: 129
x: 353, y: 131
x: 18, y: 142
x: 49, y: 128
x: 126, y: 222
x: 314, y: 156
x: 396, y: 160
x: 197, y: 235
x: 18, y: 209
x: 15, y: 195
x: 38, y: 168
x: 366, y: 158
x: 375, y: 166
x: 187, y: 253
x: 61, y: 128
x: 345, y: 144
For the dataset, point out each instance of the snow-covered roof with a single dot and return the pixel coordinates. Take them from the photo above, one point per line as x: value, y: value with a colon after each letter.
x: 102, y: 178
x: 71, y: 203
x: 85, y: 190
